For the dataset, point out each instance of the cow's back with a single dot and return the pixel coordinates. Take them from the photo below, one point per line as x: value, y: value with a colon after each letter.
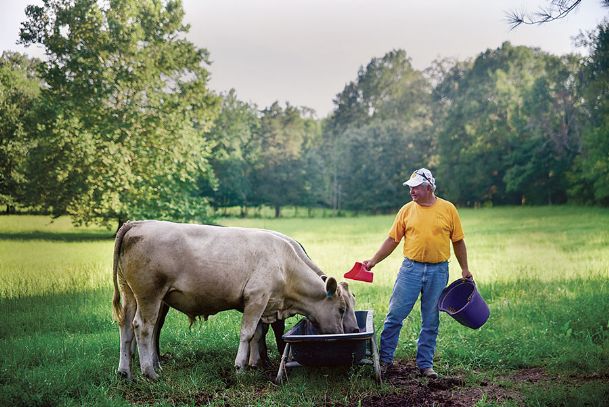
x: 199, y: 269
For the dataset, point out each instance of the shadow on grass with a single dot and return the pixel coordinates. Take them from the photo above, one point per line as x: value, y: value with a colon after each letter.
x: 58, y: 236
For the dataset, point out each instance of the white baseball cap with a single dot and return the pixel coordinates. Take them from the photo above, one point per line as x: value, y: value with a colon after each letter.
x: 420, y: 176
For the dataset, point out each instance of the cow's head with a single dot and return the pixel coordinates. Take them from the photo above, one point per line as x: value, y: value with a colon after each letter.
x: 336, y: 313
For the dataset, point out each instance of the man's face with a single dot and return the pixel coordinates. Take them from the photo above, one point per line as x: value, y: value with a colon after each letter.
x: 420, y: 193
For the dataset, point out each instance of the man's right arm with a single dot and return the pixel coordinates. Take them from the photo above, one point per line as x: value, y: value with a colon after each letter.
x: 385, y: 250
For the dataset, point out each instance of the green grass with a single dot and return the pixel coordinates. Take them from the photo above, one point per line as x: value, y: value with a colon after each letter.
x: 543, y: 271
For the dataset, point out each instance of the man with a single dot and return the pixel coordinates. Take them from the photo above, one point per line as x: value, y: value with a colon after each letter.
x: 427, y: 224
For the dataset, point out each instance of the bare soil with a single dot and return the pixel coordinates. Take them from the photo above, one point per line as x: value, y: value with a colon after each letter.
x: 414, y: 390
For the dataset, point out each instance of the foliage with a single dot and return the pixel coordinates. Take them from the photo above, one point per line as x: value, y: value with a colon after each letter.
x: 547, y: 146
x: 506, y: 129
x: 19, y: 91
x: 591, y: 174
x: 123, y: 126
x: 556, y: 10
x: 125, y: 111
x: 379, y: 122
x: 375, y: 163
x: 235, y: 155
x: 287, y: 172
x: 389, y: 88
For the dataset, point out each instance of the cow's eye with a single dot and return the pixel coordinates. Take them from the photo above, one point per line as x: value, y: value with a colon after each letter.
x: 342, y: 311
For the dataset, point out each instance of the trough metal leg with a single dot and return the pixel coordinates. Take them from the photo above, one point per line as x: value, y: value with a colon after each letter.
x: 282, y: 372
x: 376, y: 361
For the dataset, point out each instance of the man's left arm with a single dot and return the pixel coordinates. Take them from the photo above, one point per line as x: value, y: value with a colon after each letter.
x: 461, y: 254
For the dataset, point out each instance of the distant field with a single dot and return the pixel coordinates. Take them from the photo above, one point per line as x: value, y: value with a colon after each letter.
x: 543, y: 271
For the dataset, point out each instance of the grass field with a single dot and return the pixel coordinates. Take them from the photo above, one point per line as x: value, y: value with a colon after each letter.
x: 543, y: 271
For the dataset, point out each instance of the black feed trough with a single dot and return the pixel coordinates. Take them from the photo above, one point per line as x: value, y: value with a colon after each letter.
x: 304, y: 347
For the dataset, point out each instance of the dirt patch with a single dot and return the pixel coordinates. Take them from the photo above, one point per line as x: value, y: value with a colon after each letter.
x: 530, y: 375
x: 539, y: 375
x: 414, y: 390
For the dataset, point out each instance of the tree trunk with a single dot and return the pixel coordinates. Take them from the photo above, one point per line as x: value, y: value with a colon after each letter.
x: 277, y: 211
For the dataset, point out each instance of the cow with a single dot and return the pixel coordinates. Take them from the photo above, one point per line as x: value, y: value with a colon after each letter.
x: 201, y: 270
x: 349, y: 321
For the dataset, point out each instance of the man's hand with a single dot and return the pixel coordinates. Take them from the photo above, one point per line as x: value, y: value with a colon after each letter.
x: 466, y: 274
x: 368, y: 264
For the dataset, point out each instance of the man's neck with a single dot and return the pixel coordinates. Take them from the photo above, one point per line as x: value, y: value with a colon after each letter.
x: 428, y: 202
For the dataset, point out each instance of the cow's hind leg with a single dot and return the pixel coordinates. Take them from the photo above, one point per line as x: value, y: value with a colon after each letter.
x: 126, y: 333
x: 144, y: 325
x: 157, y: 335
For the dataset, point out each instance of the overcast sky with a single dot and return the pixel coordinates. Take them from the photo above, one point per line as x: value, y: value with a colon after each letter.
x: 305, y: 51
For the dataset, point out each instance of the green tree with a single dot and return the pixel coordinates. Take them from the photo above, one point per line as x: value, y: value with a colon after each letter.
x: 382, y: 116
x: 546, y: 147
x: 19, y: 91
x: 126, y: 110
x: 285, y: 176
x: 380, y: 160
x: 497, y: 116
x: 388, y: 88
x: 591, y: 172
x: 235, y: 155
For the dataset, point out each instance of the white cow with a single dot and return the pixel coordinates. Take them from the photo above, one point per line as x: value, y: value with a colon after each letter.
x: 201, y: 270
x: 349, y: 321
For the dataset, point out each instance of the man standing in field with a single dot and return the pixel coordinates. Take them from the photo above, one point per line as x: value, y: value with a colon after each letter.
x: 427, y: 224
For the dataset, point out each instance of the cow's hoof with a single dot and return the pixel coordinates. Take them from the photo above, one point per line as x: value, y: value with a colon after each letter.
x: 124, y: 375
x: 152, y: 376
x: 253, y: 364
x: 239, y: 369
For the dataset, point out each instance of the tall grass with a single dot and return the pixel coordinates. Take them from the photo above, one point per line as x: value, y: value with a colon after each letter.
x: 543, y: 271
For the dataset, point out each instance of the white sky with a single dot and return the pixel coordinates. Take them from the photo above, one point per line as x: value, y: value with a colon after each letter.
x: 305, y: 51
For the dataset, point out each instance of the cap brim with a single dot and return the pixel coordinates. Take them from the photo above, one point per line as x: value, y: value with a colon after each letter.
x: 413, y: 183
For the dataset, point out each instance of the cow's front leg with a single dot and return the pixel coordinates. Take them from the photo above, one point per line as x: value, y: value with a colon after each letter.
x: 143, y: 324
x: 126, y: 335
x: 262, y: 348
x: 251, y: 317
x: 278, y: 329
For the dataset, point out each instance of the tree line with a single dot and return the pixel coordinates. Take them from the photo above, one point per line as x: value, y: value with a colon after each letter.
x: 118, y: 123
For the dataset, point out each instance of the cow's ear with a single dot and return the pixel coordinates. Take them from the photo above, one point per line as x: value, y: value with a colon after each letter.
x: 331, y: 286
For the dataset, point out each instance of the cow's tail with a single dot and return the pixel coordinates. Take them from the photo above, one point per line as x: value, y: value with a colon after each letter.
x: 117, y: 310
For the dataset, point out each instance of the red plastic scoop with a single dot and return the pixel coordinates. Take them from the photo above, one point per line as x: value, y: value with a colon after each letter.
x: 359, y: 272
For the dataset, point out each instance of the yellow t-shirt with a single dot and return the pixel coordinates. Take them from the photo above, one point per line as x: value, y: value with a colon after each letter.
x: 427, y: 230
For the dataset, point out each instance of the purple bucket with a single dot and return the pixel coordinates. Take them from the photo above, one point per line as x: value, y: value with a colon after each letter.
x: 462, y: 301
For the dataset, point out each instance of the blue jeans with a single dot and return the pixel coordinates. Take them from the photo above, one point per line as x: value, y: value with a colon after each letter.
x: 414, y: 278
